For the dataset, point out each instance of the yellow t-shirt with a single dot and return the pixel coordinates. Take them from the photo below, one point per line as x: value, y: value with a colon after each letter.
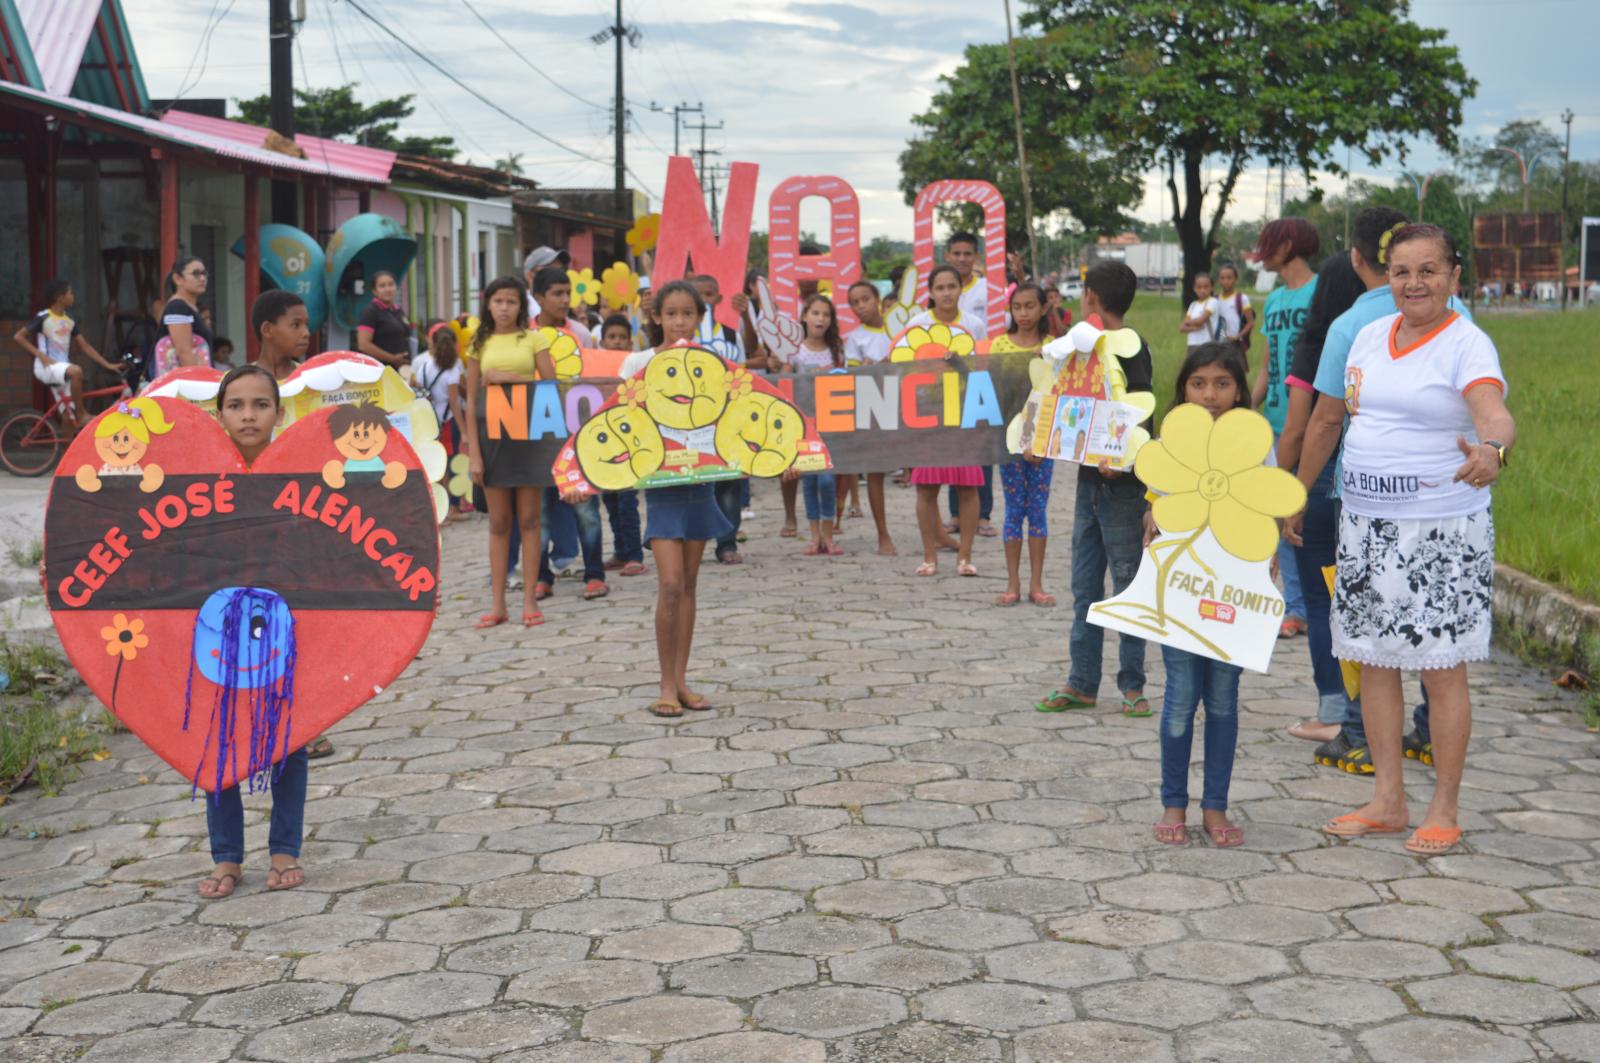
x: 510, y: 352
x: 1004, y: 344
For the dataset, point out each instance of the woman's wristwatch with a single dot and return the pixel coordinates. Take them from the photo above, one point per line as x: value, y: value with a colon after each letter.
x: 1499, y: 448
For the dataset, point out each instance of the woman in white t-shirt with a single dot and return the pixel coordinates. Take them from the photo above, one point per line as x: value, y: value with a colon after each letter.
x: 436, y: 373
x: 1203, y: 322
x: 1428, y: 435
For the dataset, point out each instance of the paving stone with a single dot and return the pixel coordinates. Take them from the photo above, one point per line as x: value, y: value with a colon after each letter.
x: 585, y: 983
x: 1118, y: 929
x: 1161, y: 1002
x: 738, y: 907
x: 1577, y: 1041
x: 1493, y: 870
x: 450, y: 926
x: 596, y: 916
x: 1556, y: 967
x: 393, y: 898
x: 996, y: 1006
x: 1573, y: 900
x: 1496, y: 1000
x: 163, y: 1045
x: 1314, y: 893
x: 1415, y: 922
x: 15, y: 1020
x: 269, y: 1005
x: 1074, y: 865
x: 329, y: 1039
x: 93, y: 979
x: 829, y: 1012
x: 919, y: 815
x: 1353, y: 861
x: 420, y: 996
x: 1552, y: 928
x: 670, y: 943
x: 600, y: 858
x: 1263, y: 1041
x: 516, y: 953
x: 1103, y: 1042
x: 819, y: 935
x: 313, y: 933
x: 1326, y: 1001
x: 127, y: 919
x: 112, y: 1014
x: 1462, y: 896
x: 743, y: 1047
x: 964, y: 929
x: 731, y: 848
x: 1222, y: 962
x: 368, y: 961
x: 901, y: 967
x: 167, y: 945
x: 1383, y: 961
x: 942, y: 866
x: 663, y: 882
x: 530, y: 891
x: 869, y: 842
x: 1263, y: 924
x: 801, y: 872
x: 1164, y: 893
x: 1058, y: 964
x: 490, y: 1031
x: 659, y: 1020
x: 923, y: 1042
x: 743, y: 975
x: 1426, y: 1040
x: 580, y: 1052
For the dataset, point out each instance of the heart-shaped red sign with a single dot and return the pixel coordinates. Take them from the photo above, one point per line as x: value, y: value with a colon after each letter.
x: 228, y: 614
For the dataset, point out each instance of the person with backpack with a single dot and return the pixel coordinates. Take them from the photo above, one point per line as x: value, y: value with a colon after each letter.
x: 1237, y: 315
x: 1203, y: 321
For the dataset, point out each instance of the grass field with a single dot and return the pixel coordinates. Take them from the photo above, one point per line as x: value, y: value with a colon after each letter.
x: 1547, y: 504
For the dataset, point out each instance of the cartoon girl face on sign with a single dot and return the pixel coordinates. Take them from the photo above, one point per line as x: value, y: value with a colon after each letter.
x: 121, y: 440
x: 760, y: 435
x: 618, y: 448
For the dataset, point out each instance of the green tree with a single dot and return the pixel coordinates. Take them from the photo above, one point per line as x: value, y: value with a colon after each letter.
x: 511, y: 164
x: 967, y: 133
x: 881, y: 255
x: 1283, y: 81
x: 337, y: 114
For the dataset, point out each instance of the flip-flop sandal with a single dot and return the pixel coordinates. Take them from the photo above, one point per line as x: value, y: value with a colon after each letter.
x: 1043, y: 600
x: 987, y: 531
x: 1226, y: 837
x: 1433, y: 841
x: 789, y: 533
x: 1302, y: 731
x: 966, y: 568
x: 927, y: 568
x: 1131, y: 710
x: 697, y: 703
x: 488, y: 620
x: 813, y: 550
x: 219, y: 895
x: 670, y: 710
x: 853, y: 511
x: 595, y: 589
x: 319, y: 748
x: 281, y: 872
x: 833, y: 549
x: 634, y: 568
x: 532, y: 619
x: 1352, y: 825
x: 1008, y: 598
x: 1171, y: 833
x: 1062, y: 700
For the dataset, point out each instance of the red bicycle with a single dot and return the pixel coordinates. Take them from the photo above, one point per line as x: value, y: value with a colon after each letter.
x: 31, y: 442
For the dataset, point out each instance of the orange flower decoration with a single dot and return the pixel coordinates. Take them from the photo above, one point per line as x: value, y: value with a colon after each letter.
x: 739, y: 384
x: 125, y: 638
x: 646, y: 230
x: 619, y: 286
x: 631, y: 392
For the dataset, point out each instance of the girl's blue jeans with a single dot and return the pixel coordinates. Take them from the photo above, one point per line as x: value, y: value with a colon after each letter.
x: 225, y: 814
x: 819, y: 492
x: 1192, y: 679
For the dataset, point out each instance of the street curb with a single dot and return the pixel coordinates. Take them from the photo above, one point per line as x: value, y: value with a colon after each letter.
x: 1547, y: 613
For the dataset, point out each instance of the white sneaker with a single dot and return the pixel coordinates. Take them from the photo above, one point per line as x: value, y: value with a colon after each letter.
x: 747, y: 514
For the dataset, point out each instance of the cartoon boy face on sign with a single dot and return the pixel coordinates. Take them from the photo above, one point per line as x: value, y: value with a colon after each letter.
x: 760, y: 435
x: 619, y: 447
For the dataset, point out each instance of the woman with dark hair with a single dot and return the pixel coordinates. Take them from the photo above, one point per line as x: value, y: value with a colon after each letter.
x: 1284, y: 247
x: 383, y: 332
x: 1429, y: 434
x: 188, y: 336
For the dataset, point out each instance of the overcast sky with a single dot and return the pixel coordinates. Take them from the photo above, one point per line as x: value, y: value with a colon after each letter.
x: 801, y: 87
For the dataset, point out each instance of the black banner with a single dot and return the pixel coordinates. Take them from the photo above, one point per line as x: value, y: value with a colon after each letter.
x: 876, y: 418
x: 363, y: 546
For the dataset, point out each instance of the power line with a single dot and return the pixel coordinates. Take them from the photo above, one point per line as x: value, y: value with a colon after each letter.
x: 480, y: 97
x: 202, y: 50
x: 333, y: 33
x: 511, y: 48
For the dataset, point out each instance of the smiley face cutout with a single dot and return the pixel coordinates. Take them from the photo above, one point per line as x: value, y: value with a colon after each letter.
x: 619, y: 447
x: 760, y: 435
x: 686, y: 387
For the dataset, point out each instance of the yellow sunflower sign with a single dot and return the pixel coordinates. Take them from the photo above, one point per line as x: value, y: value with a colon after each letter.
x: 619, y: 286
x: 585, y: 289
x: 644, y: 234
x: 1205, y: 583
x: 933, y: 341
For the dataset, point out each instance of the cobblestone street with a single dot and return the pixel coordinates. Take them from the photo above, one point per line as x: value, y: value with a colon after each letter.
x: 875, y: 849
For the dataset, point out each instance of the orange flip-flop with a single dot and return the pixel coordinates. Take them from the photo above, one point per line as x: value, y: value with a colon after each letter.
x: 532, y: 619
x: 1351, y: 825
x: 489, y: 620
x: 1433, y: 841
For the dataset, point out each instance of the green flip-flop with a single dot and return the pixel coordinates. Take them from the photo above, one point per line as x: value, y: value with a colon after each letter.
x: 1130, y: 708
x: 1064, y: 700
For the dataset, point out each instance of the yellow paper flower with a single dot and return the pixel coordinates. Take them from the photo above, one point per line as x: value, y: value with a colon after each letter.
x: 1209, y: 473
x: 585, y: 289
x: 825, y: 286
x: 739, y: 384
x: 631, y: 392
x: 460, y: 483
x: 935, y: 341
x: 563, y: 350
x: 646, y: 230
x: 124, y: 637
x: 619, y: 286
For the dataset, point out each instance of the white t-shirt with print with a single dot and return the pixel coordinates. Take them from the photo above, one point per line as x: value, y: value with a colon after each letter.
x: 807, y: 360
x: 1231, y: 309
x: 1407, y: 408
x: 426, y: 374
x: 1197, y: 310
x: 976, y: 325
x: 866, y: 345
x: 975, y: 297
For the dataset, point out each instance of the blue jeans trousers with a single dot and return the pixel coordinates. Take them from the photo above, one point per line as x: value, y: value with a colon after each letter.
x: 225, y: 814
x: 1107, y: 532
x: 730, y: 496
x: 985, y: 496
x: 585, y: 517
x: 820, y: 493
x: 1192, y: 679
x: 622, y: 510
x: 1320, y: 534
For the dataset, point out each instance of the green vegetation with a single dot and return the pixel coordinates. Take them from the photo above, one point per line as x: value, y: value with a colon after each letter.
x: 39, y: 742
x: 1547, y: 506
x: 29, y: 556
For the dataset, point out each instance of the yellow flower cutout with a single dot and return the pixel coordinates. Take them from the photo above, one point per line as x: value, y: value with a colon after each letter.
x: 124, y: 637
x: 936, y: 341
x: 632, y: 392
x: 646, y: 230
x: 563, y: 350
x: 585, y: 289
x: 619, y: 286
x: 739, y: 384
x: 1209, y: 474
x: 460, y: 483
x: 825, y: 286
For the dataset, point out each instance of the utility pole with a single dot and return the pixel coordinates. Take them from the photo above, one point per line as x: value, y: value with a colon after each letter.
x: 619, y: 32
x: 280, y: 38
x: 701, y: 168
x: 677, y: 111
x: 1566, y: 169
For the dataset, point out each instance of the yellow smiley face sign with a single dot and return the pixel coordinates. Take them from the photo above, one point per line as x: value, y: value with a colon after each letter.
x: 618, y: 447
x: 686, y: 387
x: 760, y: 435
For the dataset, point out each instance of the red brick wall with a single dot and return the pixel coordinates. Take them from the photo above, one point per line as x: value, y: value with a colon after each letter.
x: 16, y: 370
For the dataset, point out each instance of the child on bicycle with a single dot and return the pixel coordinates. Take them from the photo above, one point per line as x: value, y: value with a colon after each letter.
x: 50, y: 336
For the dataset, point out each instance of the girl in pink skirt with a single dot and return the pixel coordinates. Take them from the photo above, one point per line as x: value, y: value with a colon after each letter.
x: 945, y: 288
